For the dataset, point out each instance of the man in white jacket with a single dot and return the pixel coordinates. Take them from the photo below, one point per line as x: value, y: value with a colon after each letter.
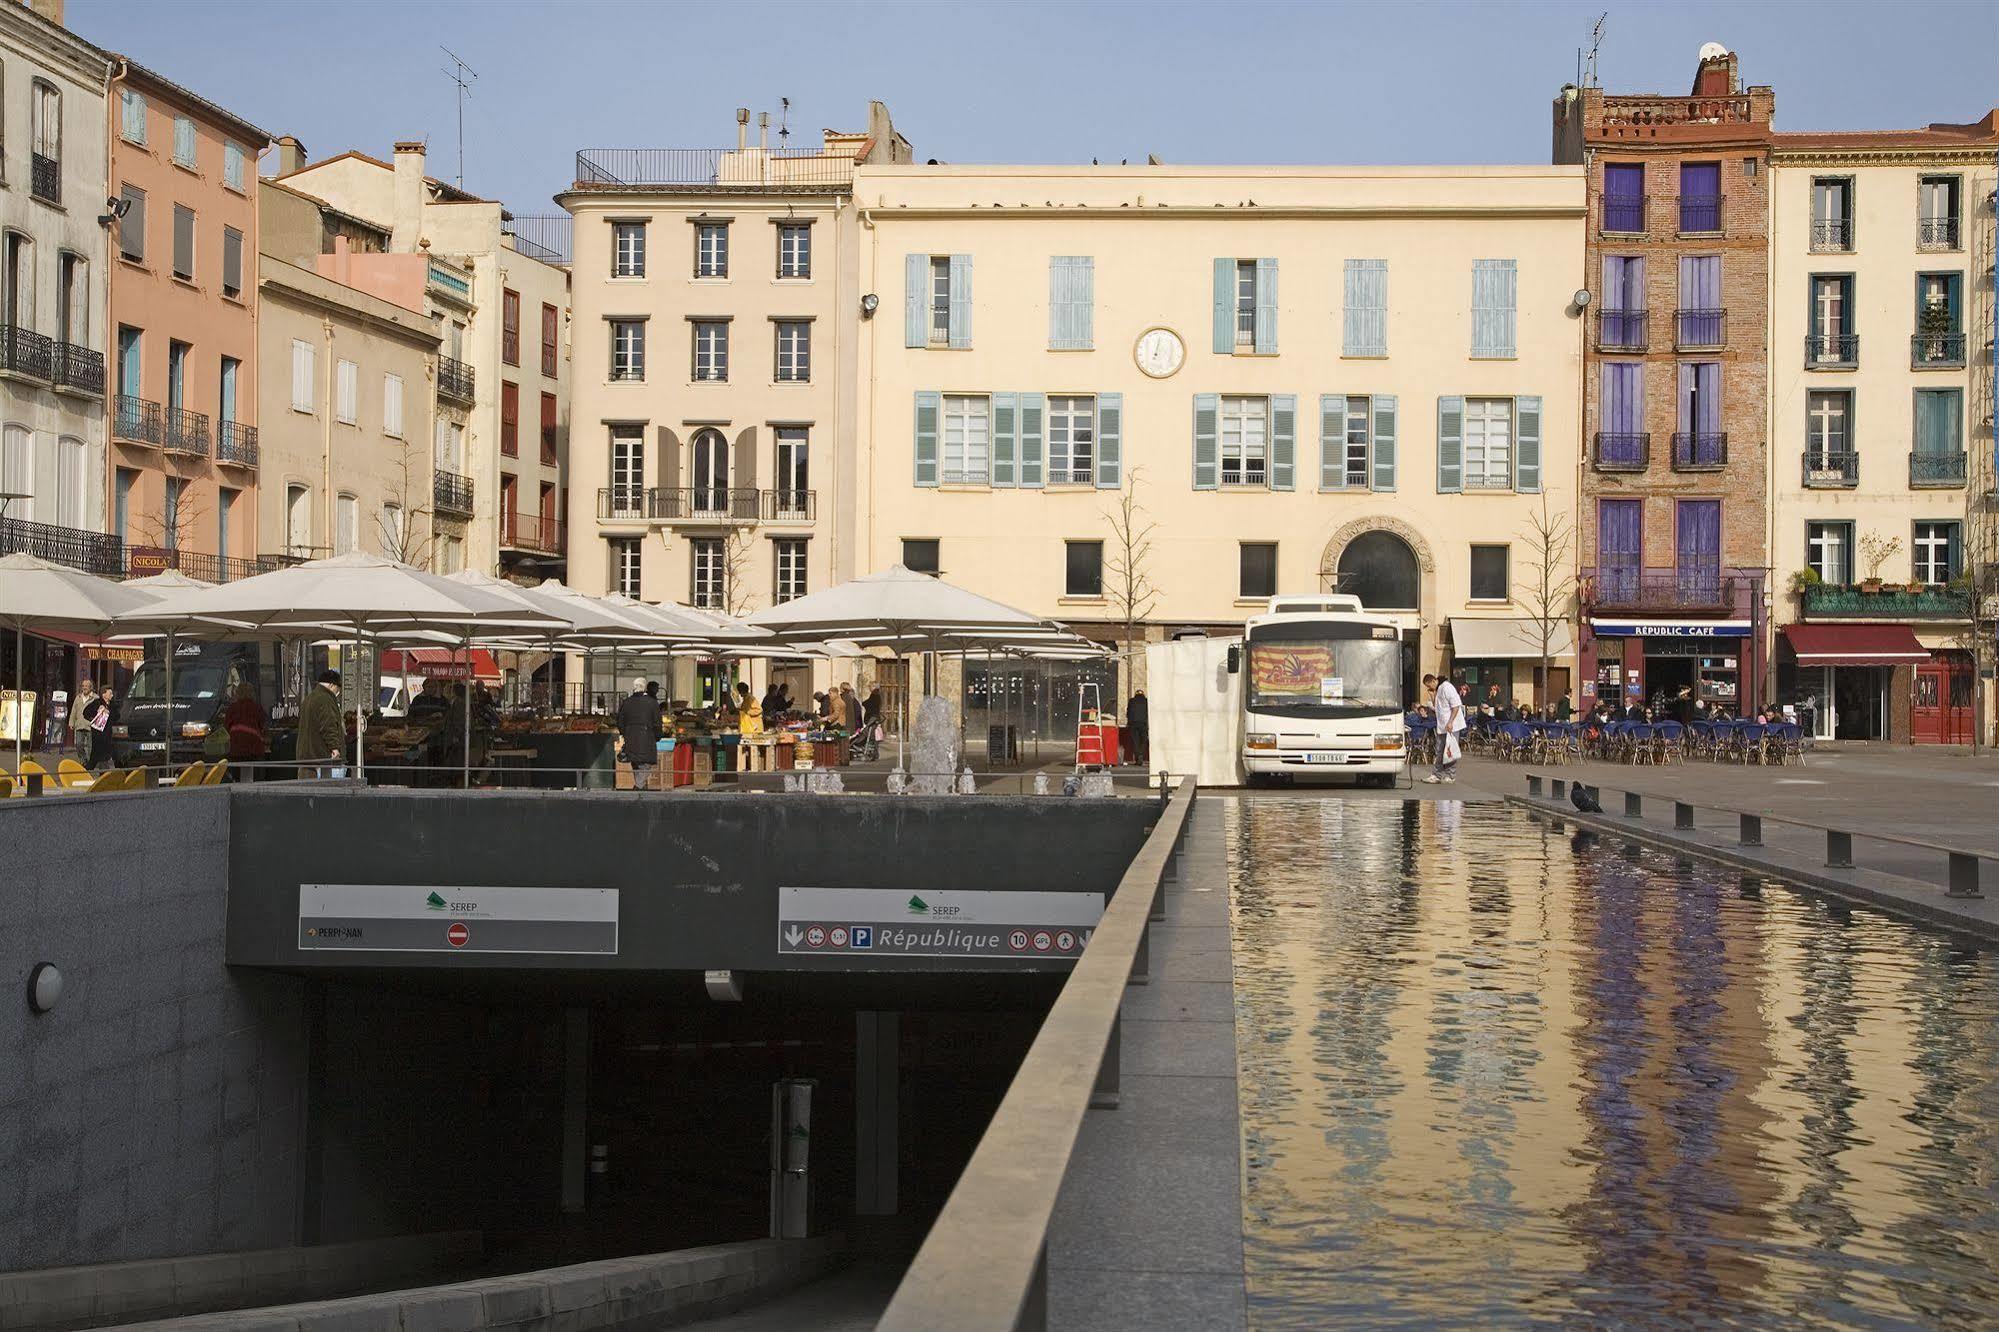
x: 1449, y: 710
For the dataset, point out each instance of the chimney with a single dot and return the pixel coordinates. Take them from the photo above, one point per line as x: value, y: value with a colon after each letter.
x: 763, y: 131
x: 48, y: 9
x: 1716, y: 75
x: 291, y: 155
x: 407, y: 195
x: 742, y: 128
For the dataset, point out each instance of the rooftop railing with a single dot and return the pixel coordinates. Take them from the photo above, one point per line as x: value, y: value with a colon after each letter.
x: 713, y: 168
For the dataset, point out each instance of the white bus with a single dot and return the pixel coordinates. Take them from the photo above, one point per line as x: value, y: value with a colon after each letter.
x: 1321, y: 683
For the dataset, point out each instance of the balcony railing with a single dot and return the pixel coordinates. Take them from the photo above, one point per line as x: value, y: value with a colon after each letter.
x: 531, y: 531
x: 1700, y: 328
x: 1620, y: 587
x: 92, y: 552
x: 79, y: 367
x: 140, y: 561
x: 451, y: 492
x: 1826, y: 350
x: 1700, y: 450
x: 713, y: 168
x: 1832, y: 235
x: 236, y: 444
x: 685, y: 504
x: 135, y: 420
x: 45, y: 178
x: 720, y: 504
x: 187, y: 432
x: 790, y: 506
x: 1700, y: 214
x: 454, y: 380
x: 1621, y: 330
x: 1936, y: 471
x: 1623, y: 451
x: 1831, y: 469
x: 1624, y: 216
x: 628, y: 504
x: 1488, y: 481
x: 1831, y: 602
x: 1937, y: 233
x: 1936, y: 351
x: 26, y: 352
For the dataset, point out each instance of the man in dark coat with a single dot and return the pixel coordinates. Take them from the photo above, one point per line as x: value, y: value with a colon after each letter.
x: 639, y: 728
x: 320, y: 733
x: 1138, y: 728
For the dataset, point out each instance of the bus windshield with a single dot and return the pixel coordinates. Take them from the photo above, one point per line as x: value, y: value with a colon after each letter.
x: 192, y: 680
x: 1324, y: 677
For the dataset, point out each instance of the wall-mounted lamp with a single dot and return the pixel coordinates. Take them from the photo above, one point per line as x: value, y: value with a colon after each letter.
x: 1582, y: 298
x: 869, y: 304
x: 44, y: 986
x: 114, y: 210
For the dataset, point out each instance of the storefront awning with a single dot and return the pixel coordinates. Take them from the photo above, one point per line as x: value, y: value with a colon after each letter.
x: 1480, y: 640
x: 439, y: 663
x: 1854, y: 644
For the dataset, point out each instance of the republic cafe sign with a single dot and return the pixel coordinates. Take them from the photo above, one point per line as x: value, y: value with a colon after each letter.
x: 1669, y: 628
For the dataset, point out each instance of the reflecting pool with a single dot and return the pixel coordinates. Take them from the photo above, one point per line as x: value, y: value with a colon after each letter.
x: 1492, y: 1074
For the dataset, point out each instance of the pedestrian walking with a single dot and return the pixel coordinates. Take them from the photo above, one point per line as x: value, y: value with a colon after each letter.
x: 849, y: 709
x: 80, y: 733
x: 320, y: 733
x: 245, y: 720
x: 1450, y: 710
x: 1138, y: 728
x: 639, y: 724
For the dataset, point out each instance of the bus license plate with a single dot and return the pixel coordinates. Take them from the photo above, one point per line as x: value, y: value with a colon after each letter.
x: 147, y: 746
x: 1325, y: 758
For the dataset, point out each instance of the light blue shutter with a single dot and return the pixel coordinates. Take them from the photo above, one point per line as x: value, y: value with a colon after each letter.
x: 1450, y: 445
x: 1283, y: 441
x: 1207, y: 443
x: 961, y: 300
x: 1365, y: 329
x: 1495, y: 286
x: 915, y: 308
x: 1005, y: 427
x: 184, y: 141
x: 133, y: 108
x: 929, y: 406
x: 1527, y: 445
x: 1032, y: 412
x: 1224, y: 307
x: 1266, y: 306
x: 1110, y: 441
x: 1332, y: 441
x: 1384, y: 441
x: 1071, y: 280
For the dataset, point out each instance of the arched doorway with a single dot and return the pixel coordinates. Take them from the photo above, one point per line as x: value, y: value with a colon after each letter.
x: 1381, y: 569
x: 711, y: 472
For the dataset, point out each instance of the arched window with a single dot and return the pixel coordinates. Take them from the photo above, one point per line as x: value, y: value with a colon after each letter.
x: 1380, y: 569
x: 711, y: 472
x: 17, y: 469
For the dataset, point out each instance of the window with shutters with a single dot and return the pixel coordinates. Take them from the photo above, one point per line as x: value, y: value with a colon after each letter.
x: 1245, y: 441
x: 1083, y: 569
x: 711, y: 249
x: 1256, y: 569
x: 184, y: 242
x: 302, y: 375
x: 393, y: 528
x: 549, y: 426
x: 45, y: 143
x: 1358, y: 457
x: 392, y: 406
x: 788, y: 577
x: 1700, y: 198
x: 710, y: 580
x: 920, y: 555
x: 226, y: 404
x: 510, y: 327
x: 1832, y: 214
x: 1829, y: 551
x: 551, y: 333
x: 1937, y: 212
x: 940, y: 300
x: 967, y: 439
x: 794, y: 250
x: 132, y: 226
x: 450, y: 554
x: 1934, y: 553
x: 794, y: 351
x: 1488, y: 444
x: 1072, y: 433
x: 1495, y: 283
x: 628, y: 350
x: 17, y: 466
x: 1939, y: 319
x: 170, y: 513
x: 1365, y: 332
x: 184, y: 142
x: 625, y: 553
x: 132, y: 116
x: 233, y: 163
x: 232, y: 262
x: 628, y: 249
x: 1071, y: 302
x: 347, y: 386
x: 346, y: 524
x: 711, y: 351
x: 510, y: 419
x: 794, y: 474
x: 628, y: 466
x: 1489, y: 579
x: 1245, y: 303
x: 298, y: 519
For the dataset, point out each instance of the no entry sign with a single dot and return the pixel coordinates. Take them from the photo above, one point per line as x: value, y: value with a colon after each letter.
x: 458, y: 935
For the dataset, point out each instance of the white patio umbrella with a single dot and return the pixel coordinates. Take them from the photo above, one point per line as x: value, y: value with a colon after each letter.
x: 35, y: 594
x: 355, y: 595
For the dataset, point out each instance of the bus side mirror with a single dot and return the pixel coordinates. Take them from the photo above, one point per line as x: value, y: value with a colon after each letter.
x: 1235, y: 659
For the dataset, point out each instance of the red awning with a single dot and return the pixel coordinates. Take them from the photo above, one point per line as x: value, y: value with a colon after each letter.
x: 441, y: 663
x: 1855, y: 644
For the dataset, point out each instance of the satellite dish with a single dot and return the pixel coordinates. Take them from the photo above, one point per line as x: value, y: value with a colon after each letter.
x: 1713, y: 51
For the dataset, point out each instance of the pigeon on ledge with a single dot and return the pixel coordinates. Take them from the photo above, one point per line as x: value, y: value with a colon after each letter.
x: 1584, y: 799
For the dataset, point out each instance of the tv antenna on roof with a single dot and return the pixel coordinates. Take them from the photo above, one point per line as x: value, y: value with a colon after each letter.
x: 783, y: 120
x: 1588, y: 71
x: 461, y: 75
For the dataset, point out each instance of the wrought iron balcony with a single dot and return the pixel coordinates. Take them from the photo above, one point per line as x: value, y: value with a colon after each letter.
x: 1832, y: 351
x: 1626, y: 587
x: 1622, y: 451
x: 187, y: 432
x: 1831, y: 469
x: 236, y: 444
x: 1700, y: 328
x: 790, y: 506
x: 140, y: 561
x: 629, y: 504
x: 1832, y: 235
x: 1700, y: 214
x: 1621, y: 330
x: 454, y: 380
x: 1936, y: 351
x: 531, y: 531
x: 79, y: 367
x: 1828, y: 601
x: 26, y: 352
x: 1625, y: 216
x: 1937, y: 233
x: 1700, y: 450
x: 135, y: 420
x: 1936, y: 471
x: 92, y: 552
x: 713, y: 504
x: 694, y: 504
x: 45, y: 178
x: 1488, y: 481
x: 451, y: 492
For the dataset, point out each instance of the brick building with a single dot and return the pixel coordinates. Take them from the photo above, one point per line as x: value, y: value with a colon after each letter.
x: 1672, y: 529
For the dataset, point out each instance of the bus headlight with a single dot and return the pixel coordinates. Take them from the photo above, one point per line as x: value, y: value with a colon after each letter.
x: 120, y: 731
x: 1387, y: 740
x: 193, y: 730
x: 1261, y: 740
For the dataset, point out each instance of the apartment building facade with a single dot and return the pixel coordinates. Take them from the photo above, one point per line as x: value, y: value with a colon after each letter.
x: 1882, y: 251
x: 717, y: 308
x: 501, y: 390
x: 1673, y: 513
x: 1231, y: 382
x: 183, y: 319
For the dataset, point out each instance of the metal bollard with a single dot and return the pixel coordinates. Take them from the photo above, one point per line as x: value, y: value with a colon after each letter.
x: 1634, y: 805
x: 1752, y: 830
x: 1838, y: 849
x: 1533, y: 785
x: 1964, y: 875
x: 36, y: 781
x: 1683, y: 816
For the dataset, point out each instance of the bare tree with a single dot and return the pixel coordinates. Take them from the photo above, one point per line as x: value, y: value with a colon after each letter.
x: 738, y: 596
x: 1128, y: 584
x: 409, y: 540
x: 172, y: 527
x: 1548, y: 588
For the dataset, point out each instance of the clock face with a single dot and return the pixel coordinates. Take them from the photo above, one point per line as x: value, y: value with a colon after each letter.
x: 1159, y: 352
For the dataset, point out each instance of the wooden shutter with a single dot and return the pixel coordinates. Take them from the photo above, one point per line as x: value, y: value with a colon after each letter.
x: 1332, y: 441
x: 1283, y: 441
x: 183, y: 241
x: 1033, y: 410
x: 348, y: 381
x: 1006, y: 439
x: 1110, y: 441
x: 1527, y: 445
x: 915, y: 306
x: 1450, y: 445
x: 668, y: 460
x: 1384, y: 441
x: 1495, y: 286
x: 961, y: 300
x: 929, y: 406
x: 1071, y: 280
x: 1207, y: 441
x: 132, y: 226
x: 232, y: 259
x: 1224, y: 307
x: 743, y: 465
x: 1266, y: 306
x: 1365, y: 326
x: 392, y: 406
x: 301, y: 375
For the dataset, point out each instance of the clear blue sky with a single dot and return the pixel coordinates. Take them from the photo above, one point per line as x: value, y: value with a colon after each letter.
x: 1383, y: 82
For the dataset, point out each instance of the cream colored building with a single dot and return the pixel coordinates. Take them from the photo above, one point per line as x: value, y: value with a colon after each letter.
x: 1303, y: 378
x: 717, y: 310
x: 1880, y: 400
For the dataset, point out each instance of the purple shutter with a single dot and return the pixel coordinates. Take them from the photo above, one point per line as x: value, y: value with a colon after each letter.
x: 1700, y: 196
x: 1623, y: 300
x: 1700, y: 301
x: 1698, y: 524
x: 1621, y: 538
x: 1623, y: 413
x: 1624, y: 197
